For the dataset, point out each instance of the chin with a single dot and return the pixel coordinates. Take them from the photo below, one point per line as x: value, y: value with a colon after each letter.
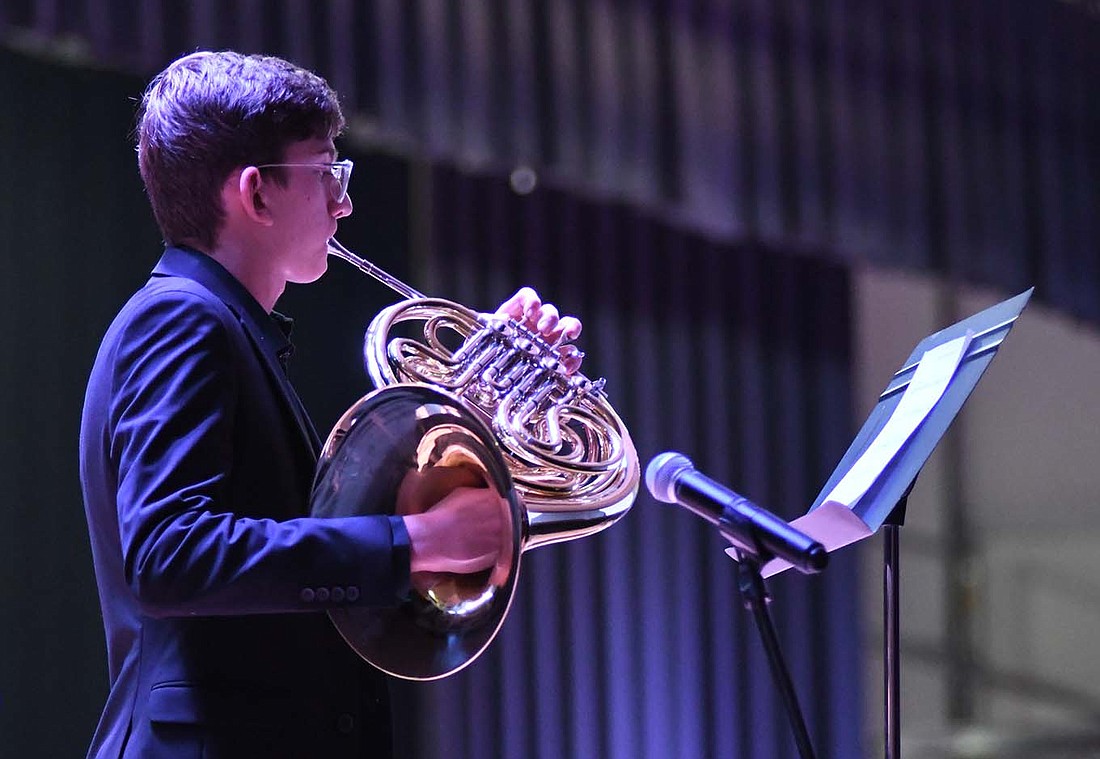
x: 319, y: 271
x: 305, y: 275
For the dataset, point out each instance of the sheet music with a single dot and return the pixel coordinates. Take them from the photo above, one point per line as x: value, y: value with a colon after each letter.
x: 929, y: 383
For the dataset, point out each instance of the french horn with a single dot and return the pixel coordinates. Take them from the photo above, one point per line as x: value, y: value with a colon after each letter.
x: 464, y: 397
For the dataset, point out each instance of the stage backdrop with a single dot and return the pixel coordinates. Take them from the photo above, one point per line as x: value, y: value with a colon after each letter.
x: 630, y: 644
x: 634, y: 644
x: 961, y: 136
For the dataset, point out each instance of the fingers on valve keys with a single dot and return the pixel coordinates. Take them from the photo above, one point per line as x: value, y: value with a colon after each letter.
x: 527, y: 308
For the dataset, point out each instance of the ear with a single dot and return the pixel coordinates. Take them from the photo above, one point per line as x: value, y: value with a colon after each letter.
x: 248, y: 194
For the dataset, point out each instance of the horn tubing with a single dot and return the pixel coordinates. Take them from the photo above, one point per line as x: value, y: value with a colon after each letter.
x: 390, y: 281
x: 496, y: 415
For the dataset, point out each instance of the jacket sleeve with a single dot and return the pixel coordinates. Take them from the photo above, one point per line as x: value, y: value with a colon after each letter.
x: 186, y: 551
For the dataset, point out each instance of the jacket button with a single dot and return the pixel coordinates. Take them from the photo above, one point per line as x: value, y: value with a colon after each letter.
x: 306, y: 595
x: 337, y: 594
x: 345, y: 723
x: 353, y: 593
x: 322, y: 594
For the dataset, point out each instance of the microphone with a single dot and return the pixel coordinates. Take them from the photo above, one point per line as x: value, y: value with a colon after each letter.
x: 672, y: 478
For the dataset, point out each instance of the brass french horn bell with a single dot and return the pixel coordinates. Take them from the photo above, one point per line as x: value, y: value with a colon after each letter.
x: 477, y: 399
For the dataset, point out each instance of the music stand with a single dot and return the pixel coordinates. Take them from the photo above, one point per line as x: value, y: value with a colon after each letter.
x: 883, y: 502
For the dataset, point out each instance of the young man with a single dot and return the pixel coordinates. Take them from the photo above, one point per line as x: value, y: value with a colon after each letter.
x: 197, y: 457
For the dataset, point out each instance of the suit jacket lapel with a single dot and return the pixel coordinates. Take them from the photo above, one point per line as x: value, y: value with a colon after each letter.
x: 278, y: 374
x: 264, y: 334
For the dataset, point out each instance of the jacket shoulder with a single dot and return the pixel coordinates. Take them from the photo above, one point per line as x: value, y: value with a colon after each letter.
x: 168, y: 293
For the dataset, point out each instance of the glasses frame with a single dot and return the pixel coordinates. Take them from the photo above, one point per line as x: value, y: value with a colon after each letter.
x: 340, y: 170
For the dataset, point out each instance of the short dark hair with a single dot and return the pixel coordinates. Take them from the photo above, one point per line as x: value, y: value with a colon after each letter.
x: 211, y: 112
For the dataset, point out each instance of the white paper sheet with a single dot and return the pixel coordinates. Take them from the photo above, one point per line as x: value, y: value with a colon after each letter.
x: 929, y: 383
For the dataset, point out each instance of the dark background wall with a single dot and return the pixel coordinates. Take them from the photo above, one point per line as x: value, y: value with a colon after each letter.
x: 69, y: 219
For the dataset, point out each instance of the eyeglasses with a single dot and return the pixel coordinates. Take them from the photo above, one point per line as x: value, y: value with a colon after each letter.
x: 341, y: 172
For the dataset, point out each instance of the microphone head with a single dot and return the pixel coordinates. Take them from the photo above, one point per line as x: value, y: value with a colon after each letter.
x: 661, y: 474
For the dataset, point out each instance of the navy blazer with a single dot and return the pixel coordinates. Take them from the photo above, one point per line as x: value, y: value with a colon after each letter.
x: 196, y: 461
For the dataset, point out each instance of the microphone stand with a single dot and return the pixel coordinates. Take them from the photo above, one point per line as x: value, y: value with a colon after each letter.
x: 756, y: 598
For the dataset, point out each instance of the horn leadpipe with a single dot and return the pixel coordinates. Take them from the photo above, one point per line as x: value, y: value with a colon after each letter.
x: 390, y: 281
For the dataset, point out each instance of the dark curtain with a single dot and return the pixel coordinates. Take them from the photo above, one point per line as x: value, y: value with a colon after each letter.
x: 628, y: 644
x: 75, y: 236
x: 633, y: 643
x: 961, y: 136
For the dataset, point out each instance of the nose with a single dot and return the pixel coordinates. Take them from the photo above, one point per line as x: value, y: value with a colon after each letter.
x: 343, y: 208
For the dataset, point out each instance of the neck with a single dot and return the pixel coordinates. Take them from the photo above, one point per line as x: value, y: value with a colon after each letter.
x: 248, y: 264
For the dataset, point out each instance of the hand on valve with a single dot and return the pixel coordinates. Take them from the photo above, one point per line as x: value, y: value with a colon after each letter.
x: 543, y: 319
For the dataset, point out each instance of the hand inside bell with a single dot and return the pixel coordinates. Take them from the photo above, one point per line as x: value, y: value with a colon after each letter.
x: 456, y: 522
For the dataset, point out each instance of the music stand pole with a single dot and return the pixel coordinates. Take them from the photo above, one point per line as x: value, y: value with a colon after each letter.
x: 891, y: 623
x: 891, y: 596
